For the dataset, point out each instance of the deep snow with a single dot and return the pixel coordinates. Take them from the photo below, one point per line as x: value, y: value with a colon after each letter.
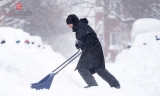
x: 137, y: 70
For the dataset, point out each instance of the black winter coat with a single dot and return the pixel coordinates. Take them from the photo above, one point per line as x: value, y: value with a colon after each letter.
x: 93, y: 55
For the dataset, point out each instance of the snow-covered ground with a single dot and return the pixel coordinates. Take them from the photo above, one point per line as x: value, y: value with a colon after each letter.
x: 137, y: 70
x: 140, y: 69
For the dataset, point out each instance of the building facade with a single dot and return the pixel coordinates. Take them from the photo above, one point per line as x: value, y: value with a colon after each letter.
x: 114, y: 19
x: 109, y: 28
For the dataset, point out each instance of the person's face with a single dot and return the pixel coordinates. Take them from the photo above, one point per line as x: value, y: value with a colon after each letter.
x: 70, y: 25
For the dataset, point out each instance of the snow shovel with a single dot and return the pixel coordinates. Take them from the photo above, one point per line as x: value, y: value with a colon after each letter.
x: 46, y: 82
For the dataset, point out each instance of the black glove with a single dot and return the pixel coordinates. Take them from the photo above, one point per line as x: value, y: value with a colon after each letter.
x: 78, y: 44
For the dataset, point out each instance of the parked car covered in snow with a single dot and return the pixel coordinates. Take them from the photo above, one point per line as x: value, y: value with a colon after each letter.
x: 144, y: 31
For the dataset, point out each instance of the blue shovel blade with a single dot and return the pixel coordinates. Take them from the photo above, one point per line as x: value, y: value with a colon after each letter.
x: 45, y: 83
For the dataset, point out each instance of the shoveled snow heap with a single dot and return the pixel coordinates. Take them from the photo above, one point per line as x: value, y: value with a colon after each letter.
x: 142, y: 67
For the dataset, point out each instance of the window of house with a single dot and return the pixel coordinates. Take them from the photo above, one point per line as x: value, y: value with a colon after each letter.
x: 113, y: 39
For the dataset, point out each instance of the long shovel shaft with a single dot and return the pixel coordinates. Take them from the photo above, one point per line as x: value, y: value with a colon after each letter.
x: 70, y: 61
x: 47, y: 80
x: 66, y: 61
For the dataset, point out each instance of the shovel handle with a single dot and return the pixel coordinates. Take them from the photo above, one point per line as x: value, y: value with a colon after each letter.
x: 66, y: 60
x: 70, y: 61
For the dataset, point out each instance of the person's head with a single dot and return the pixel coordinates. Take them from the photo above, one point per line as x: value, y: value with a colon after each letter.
x: 72, y: 21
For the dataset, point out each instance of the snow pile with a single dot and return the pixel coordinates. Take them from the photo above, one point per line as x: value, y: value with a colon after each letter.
x: 145, y: 25
x: 20, y: 39
x: 20, y: 65
x: 141, y: 67
x: 18, y: 69
x: 8, y: 35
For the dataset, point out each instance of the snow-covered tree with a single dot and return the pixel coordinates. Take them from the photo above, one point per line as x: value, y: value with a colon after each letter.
x: 155, y: 10
x: 142, y: 8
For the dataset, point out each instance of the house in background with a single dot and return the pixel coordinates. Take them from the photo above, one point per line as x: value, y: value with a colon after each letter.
x: 114, y: 20
x: 111, y: 30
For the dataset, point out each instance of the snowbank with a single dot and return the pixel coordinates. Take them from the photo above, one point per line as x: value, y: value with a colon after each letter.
x: 8, y: 35
x: 141, y: 67
x: 37, y: 41
x: 20, y: 66
x: 18, y: 69
x: 20, y: 39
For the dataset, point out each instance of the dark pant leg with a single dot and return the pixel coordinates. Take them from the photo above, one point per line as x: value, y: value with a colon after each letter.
x: 87, y: 77
x: 104, y: 74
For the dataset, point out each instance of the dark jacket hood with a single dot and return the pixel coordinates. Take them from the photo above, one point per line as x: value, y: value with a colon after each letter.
x: 84, y: 21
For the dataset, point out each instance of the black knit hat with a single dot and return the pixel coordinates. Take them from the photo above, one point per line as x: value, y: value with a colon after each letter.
x: 72, y: 19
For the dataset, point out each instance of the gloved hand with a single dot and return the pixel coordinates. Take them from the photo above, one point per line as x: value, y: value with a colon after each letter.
x: 78, y: 44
